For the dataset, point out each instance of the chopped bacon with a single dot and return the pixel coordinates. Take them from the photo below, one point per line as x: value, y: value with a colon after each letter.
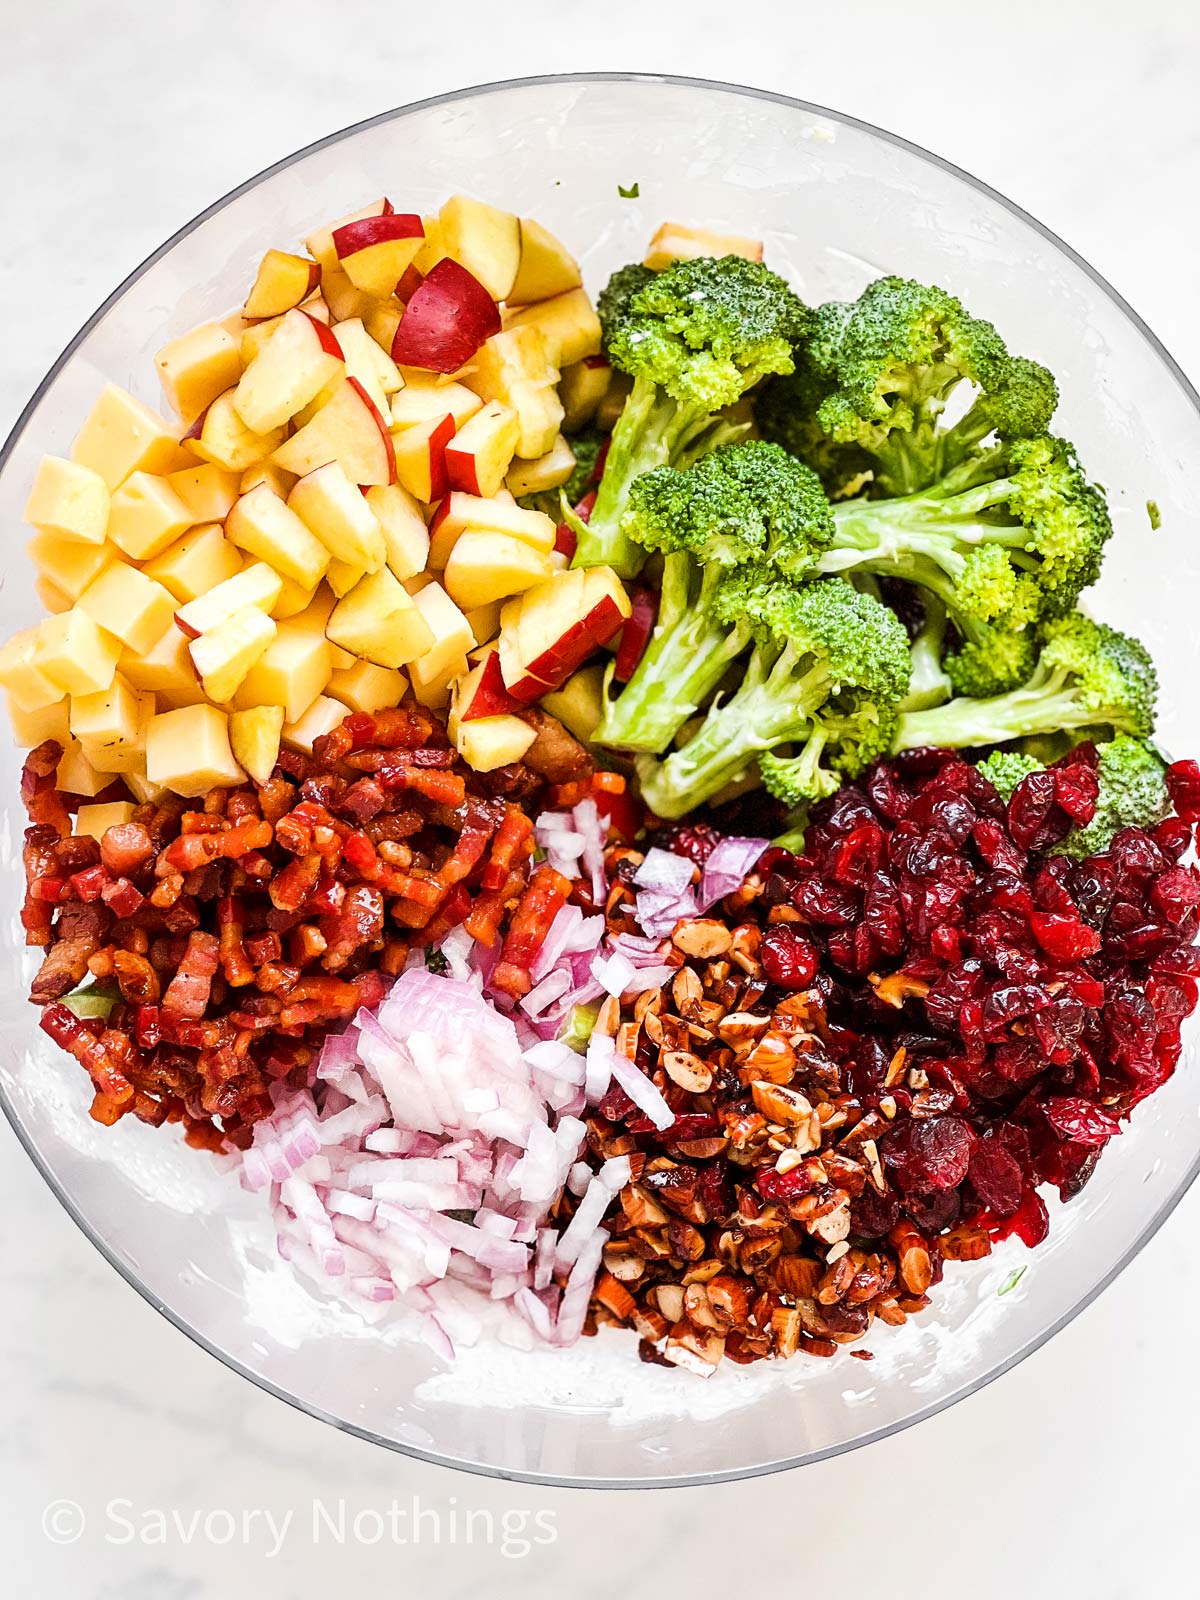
x: 356, y: 926
x: 125, y: 847
x: 545, y: 897
x: 235, y: 962
x: 555, y: 754
x: 98, y: 1058
x: 190, y: 989
x: 138, y: 981
x: 513, y: 842
x: 122, y: 898
x: 79, y: 934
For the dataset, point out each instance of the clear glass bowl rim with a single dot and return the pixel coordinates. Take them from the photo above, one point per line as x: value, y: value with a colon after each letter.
x: 688, y: 1480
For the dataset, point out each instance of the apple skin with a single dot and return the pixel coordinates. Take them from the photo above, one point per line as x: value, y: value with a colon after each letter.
x: 571, y: 649
x: 566, y: 541
x: 439, y: 475
x: 361, y: 235
x: 635, y: 634
x: 410, y: 281
x: 385, y: 436
x: 449, y: 316
x: 491, y: 697
x: 326, y: 338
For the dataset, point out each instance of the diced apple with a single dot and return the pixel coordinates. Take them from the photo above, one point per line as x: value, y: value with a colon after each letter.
x: 195, y: 368
x: 484, y: 240
x: 459, y: 513
x: 482, y: 693
x: 414, y: 585
x: 485, y: 740
x: 31, y: 728
x: 224, y: 655
x: 558, y: 625
x: 121, y: 436
x: 254, y: 337
x: 294, y: 599
x: 93, y: 822
x: 196, y: 564
x: 446, y: 320
x: 320, y: 244
x: 274, y: 477
x: 219, y: 435
x: 343, y: 299
x: 374, y: 251
x: 420, y: 455
x: 69, y: 566
x: 432, y: 250
x: 77, y: 775
x: 433, y: 689
x: 423, y: 399
x: 480, y: 453
x: 515, y: 368
x: 296, y: 363
x: 366, y: 687
x: 373, y: 367
x: 142, y: 790
x: 547, y: 267
x: 405, y: 536
x: 264, y: 526
x: 343, y: 575
x: 256, y: 585
x: 164, y: 670
x: 452, y: 636
x: 674, y: 241
x: 188, y: 751
x: 254, y: 737
x: 331, y: 506
x: 581, y: 389
x: 207, y: 491
x: 29, y: 687
x: 283, y: 281
x: 129, y: 604
x: 323, y: 716
x: 347, y: 429
x: 75, y: 654
x: 382, y: 319
x: 68, y: 501
x: 291, y: 672
x: 488, y: 566
x: 544, y: 472
x: 485, y: 621
x: 568, y: 323
x: 378, y: 621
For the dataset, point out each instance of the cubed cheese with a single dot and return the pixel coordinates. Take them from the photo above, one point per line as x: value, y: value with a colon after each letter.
x: 146, y: 516
x: 75, y: 653
x: 121, y: 436
x: 129, y: 604
x: 69, y: 501
x: 188, y: 751
x: 95, y: 821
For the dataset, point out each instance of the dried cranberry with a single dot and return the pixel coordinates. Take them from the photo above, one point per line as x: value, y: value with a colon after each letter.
x: 695, y: 840
x: 1064, y: 938
x: 933, y: 1213
x: 1030, y: 807
x: 882, y: 914
x: 1030, y: 1222
x: 1173, y: 836
x: 886, y: 795
x: 1077, y: 1119
x: 996, y: 1177
x: 1183, y: 786
x: 857, y: 856
x: 996, y: 848
x: 788, y: 958
x: 1075, y: 790
x: 829, y: 904
x: 931, y: 1154
x: 1175, y: 893
x: 788, y: 1185
x: 872, y: 1215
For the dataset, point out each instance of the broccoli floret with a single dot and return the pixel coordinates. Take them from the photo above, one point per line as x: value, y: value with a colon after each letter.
x: 1087, y: 675
x: 1012, y: 535
x: 1004, y: 770
x: 785, y: 408
x: 878, y: 374
x: 990, y: 659
x: 585, y: 447
x: 828, y: 668
x: 694, y: 338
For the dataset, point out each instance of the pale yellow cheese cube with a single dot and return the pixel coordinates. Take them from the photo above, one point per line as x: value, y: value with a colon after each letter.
x: 69, y: 566
x: 452, y: 636
x: 75, y: 653
x: 294, y: 598
x: 198, y: 562
x: 206, y: 490
x: 225, y: 654
x: 68, y: 501
x: 77, y: 775
x: 95, y: 821
x: 127, y: 752
x: 380, y: 622
x: 29, y: 687
x: 432, y: 689
x: 323, y: 716
x: 146, y: 516
x: 198, y: 366
x: 121, y: 436
x: 291, y: 672
x: 265, y: 526
x: 107, y: 717
x: 165, y: 669
x: 366, y: 687
x: 52, y: 597
x: 143, y: 791
x: 31, y: 728
x: 128, y: 603
x: 315, y: 616
x: 188, y: 751
x: 257, y: 585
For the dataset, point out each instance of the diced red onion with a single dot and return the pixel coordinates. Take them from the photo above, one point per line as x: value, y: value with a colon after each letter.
x: 729, y: 864
x: 641, y: 1091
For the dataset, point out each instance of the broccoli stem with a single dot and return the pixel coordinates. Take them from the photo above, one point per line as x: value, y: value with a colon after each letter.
x: 1047, y: 706
x: 930, y: 684
x: 688, y: 654
x: 650, y: 431
x: 772, y: 705
x: 896, y: 536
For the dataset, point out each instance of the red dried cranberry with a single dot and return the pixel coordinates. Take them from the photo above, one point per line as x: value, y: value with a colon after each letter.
x: 695, y: 840
x: 1030, y: 1222
x: 886, y: 795
x: 996, y: 1177
x: 1183, y: 786
x: 1030, y: 807
x: 872, y: 1215
x: 1173, y: 836
x: 930, y: 1154
x: 1176, y: 892
x: 883, y: 916
x: 933, y: 1213
x: 789, y: 1185
x: 996, y: 848
x: 1173, y: 999
x: 1064, y: 938
x: 788, y: 958
x: 716, y: 1190
x: 1079, y: 1120
x: 830, y: 904
x: 1075, y: 790
x: 856, y: 857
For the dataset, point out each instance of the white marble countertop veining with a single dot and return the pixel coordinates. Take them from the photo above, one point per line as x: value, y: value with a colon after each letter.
x: 117, y: 124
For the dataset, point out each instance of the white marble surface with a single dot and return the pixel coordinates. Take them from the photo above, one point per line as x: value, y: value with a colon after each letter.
x: 1071, y: 1476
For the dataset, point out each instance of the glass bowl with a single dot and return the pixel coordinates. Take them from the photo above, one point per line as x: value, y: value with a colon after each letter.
x: 837, y: 203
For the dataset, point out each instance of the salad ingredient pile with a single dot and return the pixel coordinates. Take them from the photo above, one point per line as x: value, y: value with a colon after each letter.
x: 612, y: 813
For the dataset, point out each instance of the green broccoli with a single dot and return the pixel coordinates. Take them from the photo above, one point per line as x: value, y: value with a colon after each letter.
x: 828, y: 668
x: 1133, y: 790
x: 586, y: 448
x: 929, y: 682
x: 1087, y: 675
x: 694, y: 338
x: 877, y: 375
